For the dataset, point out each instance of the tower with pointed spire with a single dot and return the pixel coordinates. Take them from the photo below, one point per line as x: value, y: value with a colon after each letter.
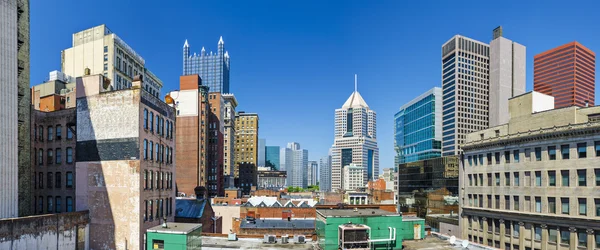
x: 355, y: 139
x: 213, y: 68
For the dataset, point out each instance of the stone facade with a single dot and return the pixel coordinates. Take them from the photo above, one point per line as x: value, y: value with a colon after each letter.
x: 246, y: 150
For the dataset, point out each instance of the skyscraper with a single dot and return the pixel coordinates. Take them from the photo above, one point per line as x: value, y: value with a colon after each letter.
x: 295, y: 161
x: 465, y: 84
x: 418, y: 128
x: 103, y: 52
x: 325, y: 173
x: 246, y: 150
x: 568, y: 73
x: 261, y: 152
x: 216, y: 130
x: 229, y: 139
x: 213, y: 68
x: 272, y: 159
x: 313, y: 174
x: 355, y: 140
x: 507, y: 75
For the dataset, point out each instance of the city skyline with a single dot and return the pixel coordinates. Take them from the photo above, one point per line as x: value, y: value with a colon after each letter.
x: 258, y: 66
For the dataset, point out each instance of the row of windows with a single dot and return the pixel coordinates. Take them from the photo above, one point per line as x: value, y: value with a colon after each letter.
x: 53, y: 204
x: 164, y: 207
x: 50, y: 178
x: 38, y: 132
x: 161, y: 151
x: 161, y: 178
x: 542, y: 204
x: 161, y: 123
x: 551, y: 152
x: 550, y: 180
x: 52, y: 156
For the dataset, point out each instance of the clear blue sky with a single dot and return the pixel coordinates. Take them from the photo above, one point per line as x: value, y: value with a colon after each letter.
x: 293, y: 62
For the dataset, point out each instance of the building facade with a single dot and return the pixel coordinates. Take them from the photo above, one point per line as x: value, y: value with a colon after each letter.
x: 103, y: 52
x: 312, y: 177
x: 262, y: 146
x: 353, y: 177
x: 507, y: 75
x: 124, y: 161
x: 418, y: 128
x: 216, y: 143
x: 294, y: 161
x: 14, y: 85
x: 430, y: 174
x: 212, y: 68
x: 532, y: 183
x: 568, y: 73
x: 465, y: 87
x: 193, y: 109
x: 272, y: 157
x: 325, y: 173
x: 246, y: 150
x: 355, y: 140
x: 229, y: 139
x: 271, y: 179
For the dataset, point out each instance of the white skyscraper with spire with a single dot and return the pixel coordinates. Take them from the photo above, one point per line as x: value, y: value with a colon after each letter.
x: 355, y: 140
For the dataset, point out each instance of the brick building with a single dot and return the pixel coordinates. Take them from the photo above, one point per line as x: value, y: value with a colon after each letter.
x: 190, y: 210
x: 216, y: 129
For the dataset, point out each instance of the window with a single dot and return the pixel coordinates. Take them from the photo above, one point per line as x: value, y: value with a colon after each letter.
x: 157, y: 209
x: 69, y: 204
x: 151, y: 210
x: 507, y: 202
x: 151, y: 122
x: 527, y: 154
x: 552, y: 153
x: 145, y: 149
x: 564, y: 203
x: 57, y: 204
x: 552, y: 178
x: 50, y: 157
x: 58, y: 132
x: 41, y: 157
x: 489, y: 158
x: 564, y: 150
x: 145, y: 210
x: 50, y: 133
x: 565, y: 235
x: 582, y: 206
x: 551, y: 205
x: 597, y: 204
x: 516, y: 230
x: 105, y: 66
x: 538, y: 232
x: 516, y: 203
x: 470, y: 180
x: 596, y: 146
x: 552, y: 235
x: 58, y: 157
x: 70, y: 130
x: 538, y: 204
x: 497, y: 199
x: 50, y: 179
x: 151, y: 180
x: 69, y: 155
x: 157, y: 152
x: 507, y: 179
x: 538, y: 154
x: 69, y: 179
x: 538, y: 178
x: 40, y: 207
x: 106, y: 58
x: 41, y: 180
x: 582, y: 150
x: 581, y: 238
x: 516, y: 177
x: 497, y: 157
x: 145, y: 118
x: 157, y: 180
x: 497, y: 175
x: 565, y: 177
x: 516, y: 155
x: 506, y: 156
x: 581, y: 177
x: 151, y: 147
x: 597, y: 173
x: 469, y: 159
x: 480, y: 179
x: 105, y: 49
x: 58, y: 183
x: 50, y: 202
x: 145, y: 179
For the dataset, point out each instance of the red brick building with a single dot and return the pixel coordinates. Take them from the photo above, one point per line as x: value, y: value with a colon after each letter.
x: 568, y: 73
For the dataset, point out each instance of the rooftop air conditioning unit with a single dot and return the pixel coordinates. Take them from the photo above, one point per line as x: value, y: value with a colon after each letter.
x: 232, y: 237
x: 299, y: 239
x: 270, y: 239
x: 285, y: 239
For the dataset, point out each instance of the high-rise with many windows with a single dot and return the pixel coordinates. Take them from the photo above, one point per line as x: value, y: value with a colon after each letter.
x: 533, y: 182
x: 418, y: 128
x: 213, y: 68
x: 246, y: 151
x: 103, y: 52
x: 568, y: 73
x: 465, y: 88
x: 294, y: 161
x: 272, y: 159
x: 355, y: 140
x: 325, y: 173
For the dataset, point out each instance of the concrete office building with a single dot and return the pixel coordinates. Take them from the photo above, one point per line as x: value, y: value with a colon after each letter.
x: 15, y: 170
x: 103, y: 52
x: 272, y: 157
x: 507, y: 75
x: 193, y: 109
x: 325, y: 173
x: 418, y: 128
x: 465, y: 87
x: 355, y: 140
x: 294, y: 161
x: 262, y: 146
x: 216, y: 129
x: 246, y: 150
x: 312, y: 177
x: 229, y: 139
x: 124, y: 162
x: 213, y: 68
x: 271, y: 179
x: 353, y: 177
x: 532, y: 183
x: 568, y: 73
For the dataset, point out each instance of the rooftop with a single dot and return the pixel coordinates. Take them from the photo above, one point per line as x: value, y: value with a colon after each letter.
x: 278, y: 224
x: 210, y: 243
x: 189, y: 208
x: 365, y: 212
x: 175, y: 228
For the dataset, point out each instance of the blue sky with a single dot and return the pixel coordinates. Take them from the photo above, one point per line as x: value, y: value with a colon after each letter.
x: 293, y: 62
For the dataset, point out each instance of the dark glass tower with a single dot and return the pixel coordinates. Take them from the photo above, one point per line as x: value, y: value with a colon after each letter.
x: 213, y: 68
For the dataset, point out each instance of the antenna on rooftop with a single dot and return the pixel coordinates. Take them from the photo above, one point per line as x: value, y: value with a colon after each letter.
x: 355, y: 82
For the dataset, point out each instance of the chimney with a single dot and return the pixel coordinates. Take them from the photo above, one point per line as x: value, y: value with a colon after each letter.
x: 137, y: 82
x: 86, y: 71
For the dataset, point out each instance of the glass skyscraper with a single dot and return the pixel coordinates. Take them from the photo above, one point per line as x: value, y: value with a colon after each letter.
x: 213, y: 68
x: 272, y: 157
x: 418, y: 128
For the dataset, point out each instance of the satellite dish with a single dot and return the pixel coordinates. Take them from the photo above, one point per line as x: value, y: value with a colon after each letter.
x: 465, y: 244
x: 452, y: 240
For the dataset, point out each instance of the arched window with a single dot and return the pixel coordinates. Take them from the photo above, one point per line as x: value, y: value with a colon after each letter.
x: 151, y: 122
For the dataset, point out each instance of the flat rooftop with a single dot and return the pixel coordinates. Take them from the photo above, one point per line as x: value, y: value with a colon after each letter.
x: 439, y: 243
x: 214, y: 243
x: 365, y: 212
x: 175, y: 228
x: 278, y: 224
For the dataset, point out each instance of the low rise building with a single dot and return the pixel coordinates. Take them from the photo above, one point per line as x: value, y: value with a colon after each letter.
x: 532, y: 183
x: 175, y: 236
x: 277, y: 227
x: 200, y: 211
x: 271, y: 179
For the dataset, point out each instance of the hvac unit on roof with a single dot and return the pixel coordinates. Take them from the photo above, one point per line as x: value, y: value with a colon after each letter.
x: 299, y: 239
x: 270, y: 239
x: 285, y: 239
